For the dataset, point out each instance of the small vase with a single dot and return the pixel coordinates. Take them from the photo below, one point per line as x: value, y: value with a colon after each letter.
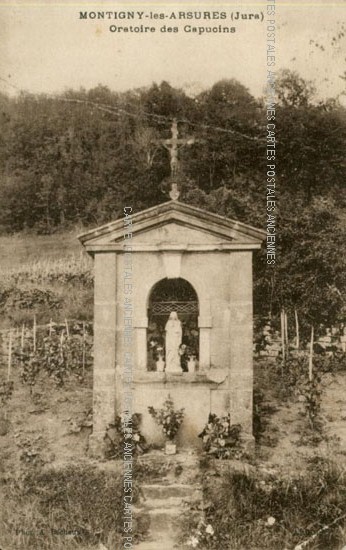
x: 191, y: 365
x: 160, y: 365
x: 170, y: 448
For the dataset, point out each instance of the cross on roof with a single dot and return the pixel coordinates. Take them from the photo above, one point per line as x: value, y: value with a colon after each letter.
x: 173, y: 145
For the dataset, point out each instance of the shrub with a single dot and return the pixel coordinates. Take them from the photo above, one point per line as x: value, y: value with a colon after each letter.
x: 330, y: 363
x: 295, y: 381
x: 6, y: 391
x: 310, y: 391
x: 220, y: 438
x: 290, y: 373
x: 117, y: 434
x: 29, y: 299
x: 56, y: 355
x: 263, y: 432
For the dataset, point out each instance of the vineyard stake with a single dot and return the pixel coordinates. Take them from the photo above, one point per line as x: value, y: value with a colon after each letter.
x: 22, y: 338
x: 9, y: 356
x: 50, y: 327
x: 61, y: 342
x: 67, y: 329
x: 286, y: 332
x: 297, y: 328
x: 283, y: 336
x: 311, y: 353
x: 83, y: 350
x: 34, y: 333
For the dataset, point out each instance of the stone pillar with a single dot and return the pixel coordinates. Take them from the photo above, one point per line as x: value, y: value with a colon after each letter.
x: 204, y: 325
x: 141, y: 326
x: 104, y: 347
x: 241, y: 340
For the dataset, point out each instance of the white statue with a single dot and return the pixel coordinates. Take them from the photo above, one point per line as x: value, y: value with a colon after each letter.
x: 174, y: 335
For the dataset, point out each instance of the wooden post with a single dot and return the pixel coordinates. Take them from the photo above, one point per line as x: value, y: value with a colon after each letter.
x: 83, y: 350
x: 283, y: 335
x: 297, y: 328
x: 9, y: 356
x: 34, y: 333
x: 311, y: 353
x: 286, y: 332
x: 50, y: 327
x: 61, y: 342
x: 22, y: 338
x: 67, y: 329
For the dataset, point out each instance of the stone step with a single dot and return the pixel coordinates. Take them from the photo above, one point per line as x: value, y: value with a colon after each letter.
x: 160, y: 491
x: 170, y: 502
x: 162, y: 521
x: 163, y: 504
x: 158, y: 544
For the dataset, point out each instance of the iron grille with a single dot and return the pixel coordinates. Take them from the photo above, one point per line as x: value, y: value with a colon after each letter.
x: 165, y: 308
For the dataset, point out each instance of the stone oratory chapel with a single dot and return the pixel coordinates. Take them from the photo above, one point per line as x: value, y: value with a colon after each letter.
x: 192, y: 315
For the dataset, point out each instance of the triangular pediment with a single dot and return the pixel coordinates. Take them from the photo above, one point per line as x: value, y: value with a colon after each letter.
x: 173, y: 224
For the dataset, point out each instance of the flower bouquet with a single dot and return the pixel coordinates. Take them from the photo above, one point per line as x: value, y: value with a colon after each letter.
x: 221, y: 439
x: 170, y: 422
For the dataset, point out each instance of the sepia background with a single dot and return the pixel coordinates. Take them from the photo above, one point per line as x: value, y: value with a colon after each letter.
x: 84, y: 113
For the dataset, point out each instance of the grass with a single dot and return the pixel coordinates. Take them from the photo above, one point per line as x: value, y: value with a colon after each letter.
x: 25, y: 248
x: 51, y: 288
x: 256, y: 512
x: 76, y: 506
x: 68, y: 269
x: 47, y: 276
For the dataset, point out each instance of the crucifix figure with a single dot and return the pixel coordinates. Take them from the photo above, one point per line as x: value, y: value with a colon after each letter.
x: 173, y: 145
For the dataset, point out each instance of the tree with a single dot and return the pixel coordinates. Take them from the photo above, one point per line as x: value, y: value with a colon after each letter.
x: 79, y: 157
x: 310, y: 273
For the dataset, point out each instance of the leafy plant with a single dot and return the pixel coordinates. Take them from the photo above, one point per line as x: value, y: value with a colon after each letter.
x: 310, y: 391
x: 29, y: 299
x: 31, y: 365
x: 295, y: 381
x: 6, y: 391
x: 57, y: 355
x: 169, y: 419
x: 221, y: 439
x: 31, y: 455
x: 117, y: 434
x: 290, y: 374
x: 330, y: 363
x: 263, y: 432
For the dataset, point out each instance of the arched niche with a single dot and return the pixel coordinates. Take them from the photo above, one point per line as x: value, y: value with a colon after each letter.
x: 167, y: 295
x: 141, y: 321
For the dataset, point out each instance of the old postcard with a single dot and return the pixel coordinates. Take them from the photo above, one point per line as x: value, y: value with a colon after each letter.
x: 172, y: 290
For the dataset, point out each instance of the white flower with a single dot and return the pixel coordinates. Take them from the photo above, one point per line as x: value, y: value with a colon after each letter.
x: 209, y: 529
x: 136, y: 437
x: 271, y: 521
x: 193, y: 541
